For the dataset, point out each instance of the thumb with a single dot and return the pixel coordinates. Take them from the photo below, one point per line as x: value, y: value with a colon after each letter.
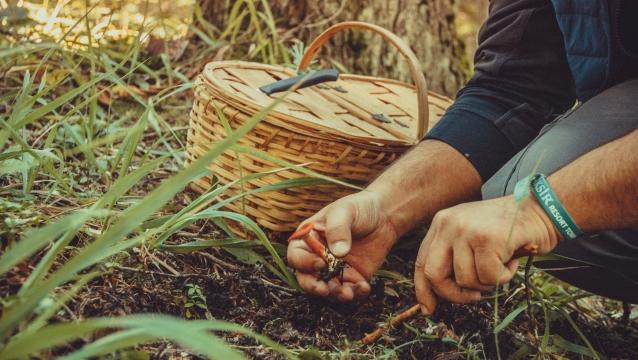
x: 425, y: 294
x: 339, y: 221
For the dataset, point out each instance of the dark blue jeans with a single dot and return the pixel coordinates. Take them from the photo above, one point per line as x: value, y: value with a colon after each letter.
x: 604, y: 263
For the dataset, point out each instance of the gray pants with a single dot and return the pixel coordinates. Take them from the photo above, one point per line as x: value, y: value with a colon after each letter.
x: 604, y: 263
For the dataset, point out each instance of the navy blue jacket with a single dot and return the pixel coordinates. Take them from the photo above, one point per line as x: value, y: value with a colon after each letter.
x: 535, y: 59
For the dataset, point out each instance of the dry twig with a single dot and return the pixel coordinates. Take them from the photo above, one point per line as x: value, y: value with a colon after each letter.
x: 406, y: 315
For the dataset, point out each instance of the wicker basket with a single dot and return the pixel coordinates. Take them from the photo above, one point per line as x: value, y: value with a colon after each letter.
x: 350, y: 129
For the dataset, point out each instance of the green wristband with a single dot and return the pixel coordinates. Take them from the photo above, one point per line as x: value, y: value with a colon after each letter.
x: 553, y: 208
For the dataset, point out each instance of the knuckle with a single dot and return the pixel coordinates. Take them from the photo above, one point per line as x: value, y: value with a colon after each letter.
x: 335, y: 231
x: 348, y: 203
x: 430, y: 274
x: 293, y: 264
x: 444, y: 217
x: 303, y: 283
x: 481, y: 239
x: 317, y: 217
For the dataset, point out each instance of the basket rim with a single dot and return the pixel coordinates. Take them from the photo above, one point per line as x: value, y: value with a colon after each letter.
x: 335, y: 133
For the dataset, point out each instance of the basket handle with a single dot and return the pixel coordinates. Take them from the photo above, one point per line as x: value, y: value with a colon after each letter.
x: 413, y: 62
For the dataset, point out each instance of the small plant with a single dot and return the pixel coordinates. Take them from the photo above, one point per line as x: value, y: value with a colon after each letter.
x: 194, y: 298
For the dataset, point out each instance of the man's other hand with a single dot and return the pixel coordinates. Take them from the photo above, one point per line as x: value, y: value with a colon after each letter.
x: 356, y: 229
x: 470, y: 248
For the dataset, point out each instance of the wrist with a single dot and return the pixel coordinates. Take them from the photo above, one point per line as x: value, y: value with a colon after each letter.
x: 387, y: 210
x: 430, y: 177
x: 530, y: 208
x: 537, y: 187
x: 553, y: 207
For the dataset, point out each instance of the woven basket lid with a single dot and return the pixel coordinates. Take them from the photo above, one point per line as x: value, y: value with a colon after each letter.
x: 355, y: 108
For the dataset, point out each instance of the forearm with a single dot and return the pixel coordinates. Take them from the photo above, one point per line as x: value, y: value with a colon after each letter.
x: 430, y: 177
x: 600, y: 189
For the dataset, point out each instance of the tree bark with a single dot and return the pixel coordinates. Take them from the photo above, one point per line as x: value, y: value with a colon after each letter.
x: 426, y: 25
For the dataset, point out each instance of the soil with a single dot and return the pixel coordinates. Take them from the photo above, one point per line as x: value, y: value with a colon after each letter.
x: 156, y: 282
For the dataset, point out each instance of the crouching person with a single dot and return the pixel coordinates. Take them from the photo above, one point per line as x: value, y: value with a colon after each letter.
x: 553, y: 108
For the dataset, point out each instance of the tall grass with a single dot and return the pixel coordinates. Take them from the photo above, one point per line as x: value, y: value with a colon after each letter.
x: 249, y: 31
x: 55, y: 139
x: 121, y: 235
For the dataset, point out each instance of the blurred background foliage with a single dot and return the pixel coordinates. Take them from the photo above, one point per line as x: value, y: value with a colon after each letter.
x: 104, y: 20
x: 111, y: 20
x: 443, y: 33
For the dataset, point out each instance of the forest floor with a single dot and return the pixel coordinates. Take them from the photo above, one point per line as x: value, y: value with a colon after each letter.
x: 93, y: 138
x: 146, y: 281
x: 254, y: 298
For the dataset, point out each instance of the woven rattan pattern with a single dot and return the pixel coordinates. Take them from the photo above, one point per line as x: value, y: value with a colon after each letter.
x: 329, y: 127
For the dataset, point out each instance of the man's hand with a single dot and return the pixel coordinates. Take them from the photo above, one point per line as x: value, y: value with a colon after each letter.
x: 470, y: 247
x: 365, y: 225
x: 357, y: 229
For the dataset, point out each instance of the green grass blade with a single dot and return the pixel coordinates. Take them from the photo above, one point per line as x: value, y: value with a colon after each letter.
x: 57, y: 102
x: 186, y: 216
x: 121, y: 186
x: 248, y: 223
x: 130, y: 219
x: 509, y: 318
x: 568, y: 346
x: 302, y: 169
x: 132, y: 140
x: 125, y: 183
x: 197, y: 245
x: 42, y: 319
x: 27, y: 49
x: 252, y: 226
x: 282, y: 185
x: 210, y: 196
x: 592, y: 351
x: 110, y: 344
x: 36, y: 239
x: 156, y: 327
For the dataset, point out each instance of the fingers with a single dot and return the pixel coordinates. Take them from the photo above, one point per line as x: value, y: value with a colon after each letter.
x: 341, y: 292
x: 353, y: 287
x: 422, y: 286
x: 438, y: 271
x: 318, y: 219
x: 449, y: 290
x: 312, y: 285
x: 303, y: 259
x: 465, y: 269
x: 335, y: 222
x: 436, y: 268
x: 490, y: 268
x: 338, y: 228
x: 358, y: 283
x: 512, y: 267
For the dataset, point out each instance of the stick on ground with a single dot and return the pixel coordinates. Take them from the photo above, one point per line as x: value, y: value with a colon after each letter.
x: 406, y: 315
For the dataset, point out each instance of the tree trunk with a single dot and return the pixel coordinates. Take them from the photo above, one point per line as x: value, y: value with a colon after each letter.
x: 426, y: 25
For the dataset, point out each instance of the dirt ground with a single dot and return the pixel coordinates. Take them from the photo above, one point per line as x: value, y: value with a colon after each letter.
x: 159, y: 282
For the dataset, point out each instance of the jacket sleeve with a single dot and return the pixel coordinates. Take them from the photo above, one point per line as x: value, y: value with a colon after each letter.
x: 521, y: 82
